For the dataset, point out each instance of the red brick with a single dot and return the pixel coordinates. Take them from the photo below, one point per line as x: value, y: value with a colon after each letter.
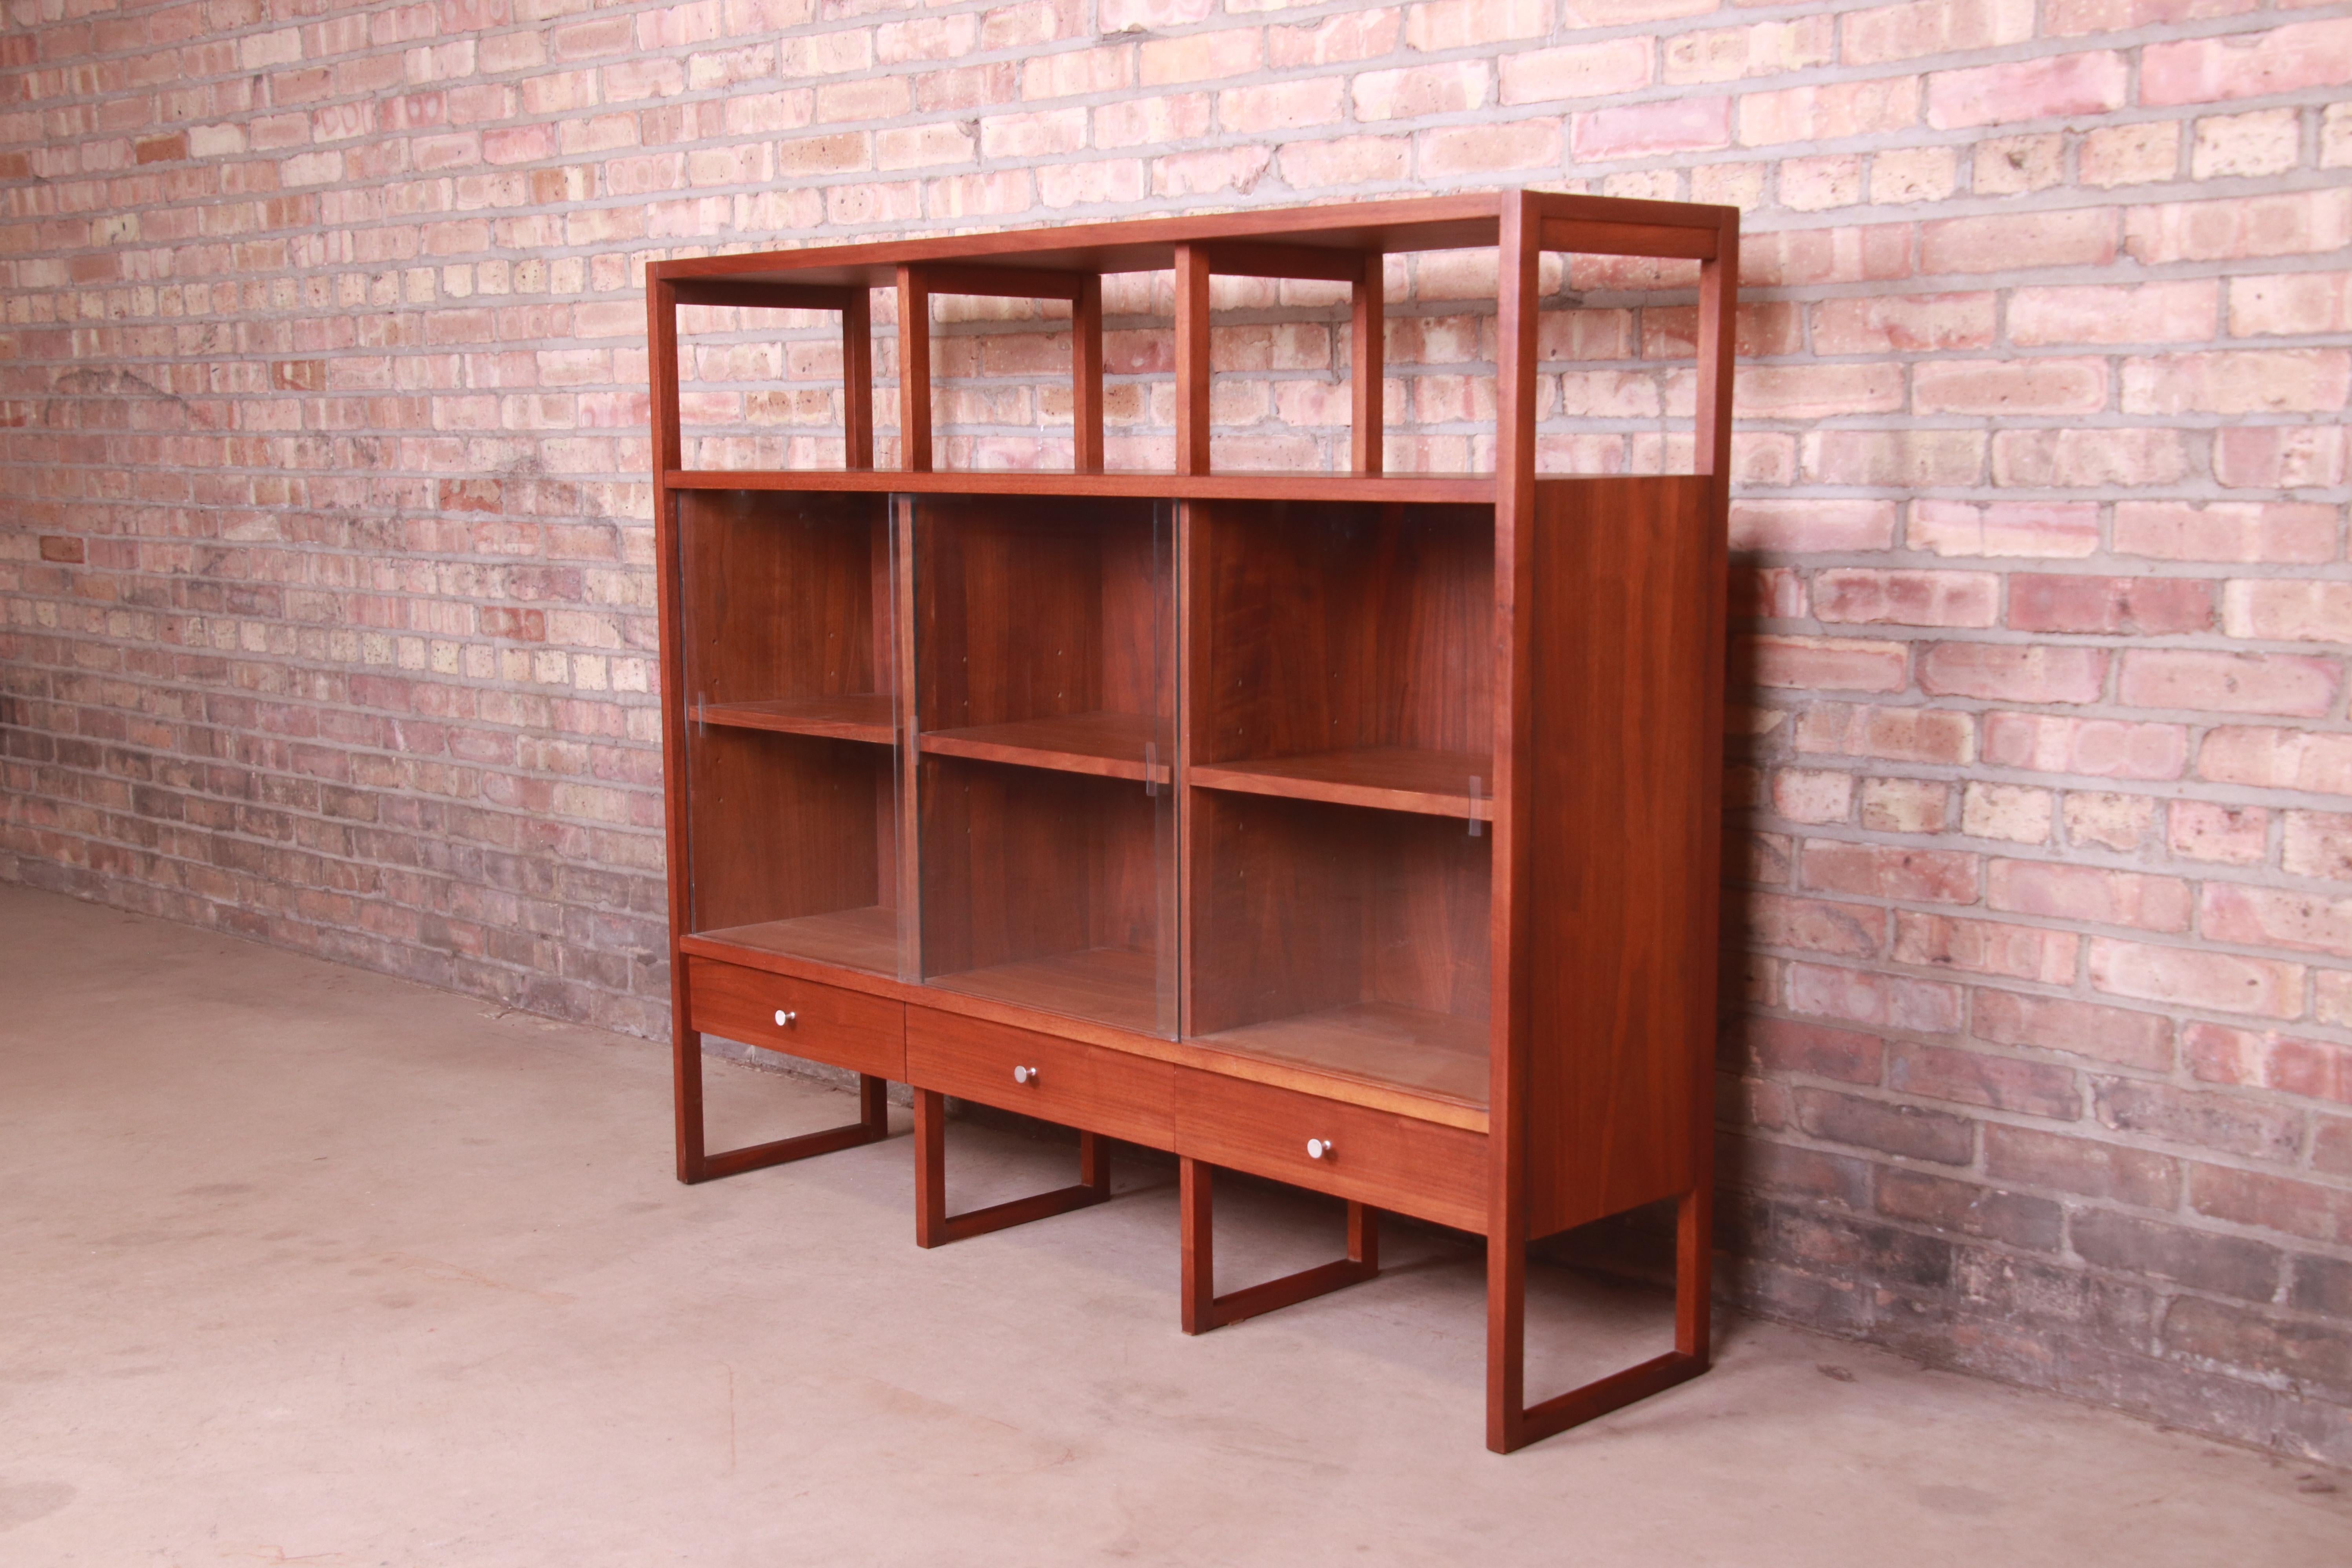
x: 2317, y: 1069
x: 2105, y: 747
x: 1888, y: 871
x: 1972, y: 1078
x: 2046, y: 529
x: 2019, y: 91
x: 1898, y: 734
x: 2279, y: 610
x: 2111, y: 313
x: 2272, y: 1203
x: 2226, y: 531
x: 2225, y: 1265
x: 2274, y: 380
x: 2277, y: 759
x: 1984, y: 947
x: 2283, y: 59
x: 2077, y: 1028
x: 1785, y: 1045
x: 2279, y: 456
x: 1580, y: 71
x: 1829, y: 112
x: 2276, y: 917
x: 1862, y: 596
x: 2232, y: 834
x: 2007, y: 672
x: 2240, y: 227
x: 2144, y: 606
x: 1848, y: 930
x: 2086, y: 893
x: 2074, y: 1165
x: 1885, y: 1001
x: 2015, y: 386
x: 1912, y: 1131
x: 2012, y: 242
x: 1649, y: 130
x: 1889, y: 33
x: 1967, y: 1208
x: 2190, y: 977
x: 1889, y: 324
x: 2291, y: 304
x: 1807, y: 526
x: 1830, y: 664
x: 2229, y: 682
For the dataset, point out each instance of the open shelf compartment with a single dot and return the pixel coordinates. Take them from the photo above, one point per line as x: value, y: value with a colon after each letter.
x: 786, y: 615
x: 1045, y: 732
x: 1347, y: 941
x: 1341, y: 652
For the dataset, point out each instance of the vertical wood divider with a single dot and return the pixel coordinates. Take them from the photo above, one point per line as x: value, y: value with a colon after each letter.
x: 686, y: 1044
x: 1367, y: 361
x: 1087, y: 377
x: 857, y: 378
x: 914, y: 371
x: 1718, y: 346
x: 1507, y: 1223
x: 1191, y: 359
x: 910, y: 758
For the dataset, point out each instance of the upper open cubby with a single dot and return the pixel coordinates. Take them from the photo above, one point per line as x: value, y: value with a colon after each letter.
x: 1625, y: 396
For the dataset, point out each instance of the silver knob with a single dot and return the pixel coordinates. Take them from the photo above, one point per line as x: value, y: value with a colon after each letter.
x: 1318, y: 1148
x: 1025, y: 1074
x: 786, y: 1020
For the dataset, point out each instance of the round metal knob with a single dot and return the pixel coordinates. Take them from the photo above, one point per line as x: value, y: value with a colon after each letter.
x: 1025, y: 1074
x: 1318, y: 1148
x: 786, y: 1020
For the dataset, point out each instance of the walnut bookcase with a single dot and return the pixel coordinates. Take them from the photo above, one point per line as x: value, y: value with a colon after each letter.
x: 1352, y: 830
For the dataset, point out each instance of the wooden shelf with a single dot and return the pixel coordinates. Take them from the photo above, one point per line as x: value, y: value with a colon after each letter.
x: 1474, y: 489
x: 1107, y: 745
x: 861, y: 716
x: 1114, y: 985
x: 1387, y: 778
x: 1434, y: 1054
x: 864, y: 938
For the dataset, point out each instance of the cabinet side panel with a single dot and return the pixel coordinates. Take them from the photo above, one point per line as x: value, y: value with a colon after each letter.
x: 1627, y: 738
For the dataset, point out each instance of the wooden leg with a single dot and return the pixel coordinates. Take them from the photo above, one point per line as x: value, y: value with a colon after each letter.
x: 1202, y: 1308
x: 695, y: 1164
x: 934, y: 1226
x: 1510, y: 1424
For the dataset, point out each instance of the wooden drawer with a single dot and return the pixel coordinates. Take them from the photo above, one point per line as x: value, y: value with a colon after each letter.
x: 1085, y: 1087
x: 1419, y: 1168
x: 844, y: 1028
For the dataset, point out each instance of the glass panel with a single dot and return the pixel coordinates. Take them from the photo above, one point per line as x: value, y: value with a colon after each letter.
x: 792, y: 723
x: 1342, y: 736
x: 1044, y: 698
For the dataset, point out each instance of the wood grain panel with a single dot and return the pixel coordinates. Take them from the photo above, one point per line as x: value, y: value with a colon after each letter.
x: 1392, y: 1163
x: 1076, y: 1085
x: 1626, y: 701
x: 844, y: 1028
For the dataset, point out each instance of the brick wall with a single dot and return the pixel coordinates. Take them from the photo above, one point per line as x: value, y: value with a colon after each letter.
x: 325, y: 543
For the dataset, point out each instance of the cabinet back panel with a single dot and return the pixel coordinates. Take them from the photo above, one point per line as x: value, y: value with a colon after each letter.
x: 1333, y: 626
x: 1299, y: 907
x: 1024, y: 863
x: 1031, y: 607
x: 784, y: 825
x: 1627, y: 704
x: 785, y: 593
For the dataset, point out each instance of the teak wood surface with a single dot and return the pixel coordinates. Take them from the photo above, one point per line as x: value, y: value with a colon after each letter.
x: 1231, y: 809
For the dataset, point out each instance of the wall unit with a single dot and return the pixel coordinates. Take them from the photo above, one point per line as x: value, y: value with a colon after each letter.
x: 1354, y: 830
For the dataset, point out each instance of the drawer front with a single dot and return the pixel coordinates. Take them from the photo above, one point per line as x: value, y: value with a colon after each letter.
x: 1413, y: 1167
x: 843, y: 1029
x: 1064, y: 1081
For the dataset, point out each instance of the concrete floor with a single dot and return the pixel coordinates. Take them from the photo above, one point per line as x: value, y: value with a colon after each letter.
x: 305, y: 1265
